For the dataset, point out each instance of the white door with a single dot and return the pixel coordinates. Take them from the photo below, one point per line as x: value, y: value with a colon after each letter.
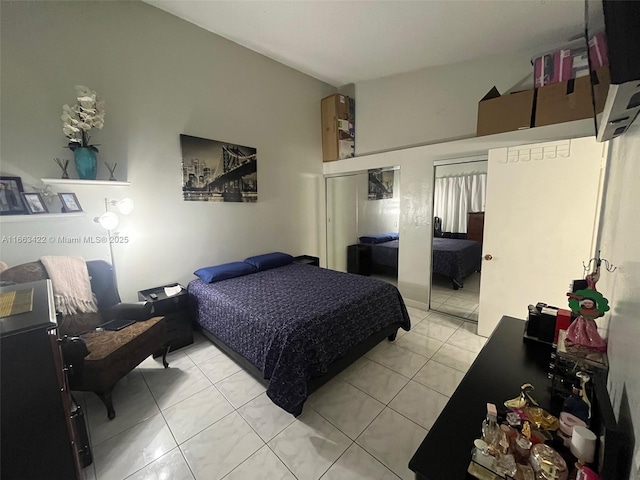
x: 541, y: 216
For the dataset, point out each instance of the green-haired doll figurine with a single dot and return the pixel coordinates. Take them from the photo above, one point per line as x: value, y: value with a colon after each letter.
x: 589, y: 304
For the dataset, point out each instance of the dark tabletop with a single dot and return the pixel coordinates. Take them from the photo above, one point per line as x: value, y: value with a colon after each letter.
x: 503, y: 365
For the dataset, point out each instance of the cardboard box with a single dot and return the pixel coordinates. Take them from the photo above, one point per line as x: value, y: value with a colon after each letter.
x: 547, y: 68
x: 335, y: 110
x: 346, y: 149
x: 505, y: 113
x: 571, y: 100
x: 598, y: 55
x: 560, y: 65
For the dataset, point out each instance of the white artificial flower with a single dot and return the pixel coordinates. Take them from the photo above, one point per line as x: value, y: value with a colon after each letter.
x: 81, y: 90
x: 70, y: 130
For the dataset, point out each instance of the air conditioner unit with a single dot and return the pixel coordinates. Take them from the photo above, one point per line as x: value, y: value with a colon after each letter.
x: 621, y: 23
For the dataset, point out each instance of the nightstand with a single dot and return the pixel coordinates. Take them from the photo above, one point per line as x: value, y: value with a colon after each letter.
x: 307, y: 260
x: 175, y: 309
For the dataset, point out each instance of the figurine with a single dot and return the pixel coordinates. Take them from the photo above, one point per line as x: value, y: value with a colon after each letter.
x: 578, y: 404
x: 589, y: 304
x: 524, y: 400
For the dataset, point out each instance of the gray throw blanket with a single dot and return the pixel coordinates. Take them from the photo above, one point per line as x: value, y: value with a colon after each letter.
x: 71, y: 286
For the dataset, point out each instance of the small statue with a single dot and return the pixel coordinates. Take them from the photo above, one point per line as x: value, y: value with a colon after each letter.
x: 63, y: 164
x: 111, y: 168
x: 578, y: 404
x: 589, y: 304
x: 524, y: 400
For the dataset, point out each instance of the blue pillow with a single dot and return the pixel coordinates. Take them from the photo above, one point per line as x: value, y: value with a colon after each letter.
x: 269, y: 260
x: 393, y: 235
x: 379, y: 238
x: 224, y: 271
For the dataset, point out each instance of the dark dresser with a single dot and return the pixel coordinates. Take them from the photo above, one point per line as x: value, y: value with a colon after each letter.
x: 504, y: 364
x: 38, y: 438
x: 475, y: 226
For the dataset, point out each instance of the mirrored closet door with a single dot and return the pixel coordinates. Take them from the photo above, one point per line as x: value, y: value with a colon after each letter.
x: 362, y: 223
x: 459, y: 204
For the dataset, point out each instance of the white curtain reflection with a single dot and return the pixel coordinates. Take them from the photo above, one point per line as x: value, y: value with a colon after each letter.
x: 456, y: 196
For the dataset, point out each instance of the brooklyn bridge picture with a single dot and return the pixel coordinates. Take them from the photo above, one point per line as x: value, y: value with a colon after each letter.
x: 214, y: 171
x: 381, y: 184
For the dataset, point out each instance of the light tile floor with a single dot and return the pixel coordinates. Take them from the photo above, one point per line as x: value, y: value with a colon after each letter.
x: 462, y: 302
x: 204, y: 418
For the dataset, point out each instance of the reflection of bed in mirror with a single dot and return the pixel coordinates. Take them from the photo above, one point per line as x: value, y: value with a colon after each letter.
x: 453, y: 258
x: 384, y: 257
x: 456, y: 259
x: 384, y: 252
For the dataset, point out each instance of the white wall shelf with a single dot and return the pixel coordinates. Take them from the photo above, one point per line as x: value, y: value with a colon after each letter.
x: 77, y: 181
x: 39, y: 216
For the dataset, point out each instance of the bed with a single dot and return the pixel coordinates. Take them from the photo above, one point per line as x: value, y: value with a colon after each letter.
x: 456, y: 259
x: 296, y: 326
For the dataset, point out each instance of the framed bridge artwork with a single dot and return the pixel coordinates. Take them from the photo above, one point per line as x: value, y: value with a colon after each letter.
x: 381, y: 184
x: 214, y: 171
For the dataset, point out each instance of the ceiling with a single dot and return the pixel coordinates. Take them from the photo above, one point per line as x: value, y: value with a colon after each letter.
x: 341, y: 42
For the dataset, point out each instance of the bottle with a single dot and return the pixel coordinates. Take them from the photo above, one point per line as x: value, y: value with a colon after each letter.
x: 490, y: 429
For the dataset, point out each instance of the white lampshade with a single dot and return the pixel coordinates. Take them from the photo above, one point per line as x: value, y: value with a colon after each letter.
x: 125, y: 206
x: 583, y: 444
x: 108, y: 220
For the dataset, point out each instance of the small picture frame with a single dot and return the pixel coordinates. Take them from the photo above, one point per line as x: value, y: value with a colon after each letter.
x: 35, y: 204
x: 70, y: 203
x: 11, y: 202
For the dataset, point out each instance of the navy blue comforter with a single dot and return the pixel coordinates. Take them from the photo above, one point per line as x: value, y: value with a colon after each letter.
x: 292, y: 322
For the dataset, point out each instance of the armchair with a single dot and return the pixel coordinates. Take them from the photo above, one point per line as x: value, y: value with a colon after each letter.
x: 111, y: 354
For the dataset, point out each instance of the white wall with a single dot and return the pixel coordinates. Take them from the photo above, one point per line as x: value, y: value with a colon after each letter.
x: 433, y: 104
x: 160, y: 77
x: 620, y: 240
x: 457, y: 169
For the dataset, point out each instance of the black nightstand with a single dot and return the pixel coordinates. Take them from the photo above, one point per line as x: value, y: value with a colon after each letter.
x: 179, y: 331
x: 307, y: 260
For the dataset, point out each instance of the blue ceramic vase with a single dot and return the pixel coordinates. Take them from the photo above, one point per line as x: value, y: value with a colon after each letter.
x: 86, y: 163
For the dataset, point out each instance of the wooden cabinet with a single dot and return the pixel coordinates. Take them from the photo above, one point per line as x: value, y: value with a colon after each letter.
x: 37, y: 436
x: 338, y: 117
x: 475, y: 226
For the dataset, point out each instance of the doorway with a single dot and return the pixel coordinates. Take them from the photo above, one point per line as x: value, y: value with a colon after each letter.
x: 459, y: 205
